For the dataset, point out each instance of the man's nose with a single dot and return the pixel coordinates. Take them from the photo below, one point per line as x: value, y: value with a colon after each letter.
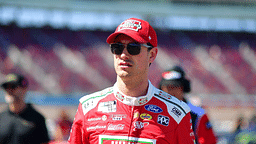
x: 125, y: 53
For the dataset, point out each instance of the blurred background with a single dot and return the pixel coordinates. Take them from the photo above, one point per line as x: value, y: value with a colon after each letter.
x: 60, y: 46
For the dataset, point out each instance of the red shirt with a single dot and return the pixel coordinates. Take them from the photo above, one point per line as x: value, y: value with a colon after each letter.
x: 110, y: 117
x: 202, y: 126
x: 205, y: 132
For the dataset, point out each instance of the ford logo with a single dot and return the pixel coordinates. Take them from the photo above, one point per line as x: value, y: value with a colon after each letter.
x: 153, y: 108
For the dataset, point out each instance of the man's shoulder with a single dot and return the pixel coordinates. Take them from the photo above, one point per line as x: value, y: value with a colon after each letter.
x: 90, y: 101
x: 171, y: 100
x: 96, y: 95
x: 176, y: 108
x: 31, y: 110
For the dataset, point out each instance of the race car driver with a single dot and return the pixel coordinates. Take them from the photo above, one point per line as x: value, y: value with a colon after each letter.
x: 133, y: 111
x: 175, y: 83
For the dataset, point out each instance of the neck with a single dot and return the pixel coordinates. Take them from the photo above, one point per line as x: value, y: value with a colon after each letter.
x: 17, y: 107
x: 134, y: 87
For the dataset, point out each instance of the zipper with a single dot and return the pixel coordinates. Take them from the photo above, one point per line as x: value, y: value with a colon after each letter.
x: 130, y: 127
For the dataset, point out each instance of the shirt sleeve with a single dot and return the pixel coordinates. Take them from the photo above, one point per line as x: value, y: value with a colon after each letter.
x: 184, y: 131
x: 76, y: 134
x: 205, y: 132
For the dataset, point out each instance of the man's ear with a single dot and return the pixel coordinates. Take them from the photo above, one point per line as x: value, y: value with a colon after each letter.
x: 153, y: 54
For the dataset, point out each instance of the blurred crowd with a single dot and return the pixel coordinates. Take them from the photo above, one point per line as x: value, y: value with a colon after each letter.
x: 172, y: 80
x: 245, y: 132
x: 61, y: 128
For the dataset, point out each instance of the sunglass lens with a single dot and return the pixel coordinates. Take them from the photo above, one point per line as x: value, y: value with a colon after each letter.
x: 133, y: 48
x: 11, y: 86
x: 117, y: 48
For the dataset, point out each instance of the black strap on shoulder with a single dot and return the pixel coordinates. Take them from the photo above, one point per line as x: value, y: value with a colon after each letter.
x: 171, y: 102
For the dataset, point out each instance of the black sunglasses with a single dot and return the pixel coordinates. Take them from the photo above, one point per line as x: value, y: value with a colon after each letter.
x: 11, y: 86
x: 132, y: 48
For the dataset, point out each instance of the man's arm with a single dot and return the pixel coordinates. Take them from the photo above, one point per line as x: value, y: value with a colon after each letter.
x: 184, y: 132
x: 76, y: 134
x: 204, y: 131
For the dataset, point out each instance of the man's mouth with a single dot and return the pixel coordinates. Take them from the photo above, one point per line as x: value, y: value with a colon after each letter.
x: 125, y: 64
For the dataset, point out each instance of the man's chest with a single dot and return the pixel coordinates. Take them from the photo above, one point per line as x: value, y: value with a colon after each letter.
x: 113, y: 118
x: 14, y: 126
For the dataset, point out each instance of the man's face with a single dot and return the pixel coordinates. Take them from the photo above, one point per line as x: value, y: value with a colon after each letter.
x: 14, y: 93
x: 174, y: 90
x: 127, y: 65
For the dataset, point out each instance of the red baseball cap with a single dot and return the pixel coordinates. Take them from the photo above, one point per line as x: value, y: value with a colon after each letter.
x: 139, y: 30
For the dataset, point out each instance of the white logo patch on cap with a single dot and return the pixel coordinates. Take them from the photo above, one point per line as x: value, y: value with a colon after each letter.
x: 171, y: 75
x: 130, y: 24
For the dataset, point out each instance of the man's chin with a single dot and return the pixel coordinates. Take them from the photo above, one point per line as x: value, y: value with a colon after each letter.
x: 124, y: 74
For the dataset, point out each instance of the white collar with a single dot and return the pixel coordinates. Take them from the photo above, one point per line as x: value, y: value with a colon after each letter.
x: 135, y: 101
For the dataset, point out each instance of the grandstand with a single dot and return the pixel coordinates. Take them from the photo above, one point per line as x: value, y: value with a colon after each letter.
x: 63, y: 61
x: 67, y: 59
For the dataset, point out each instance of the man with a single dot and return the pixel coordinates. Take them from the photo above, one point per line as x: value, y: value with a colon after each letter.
x: 133, y: 111
x: 20, y: 123
x: 174, y: 82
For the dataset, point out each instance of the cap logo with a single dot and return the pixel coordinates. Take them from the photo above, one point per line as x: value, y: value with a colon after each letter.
x: 130, y: 24
x: 11, y: 77
x: 171, y: 75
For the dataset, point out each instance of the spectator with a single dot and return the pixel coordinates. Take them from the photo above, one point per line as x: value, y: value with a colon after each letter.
x: 63, y: 127
x: 132, y: 111
x: 20, y: 123
x: 241, y: 124
x: 174, y: 82
x: 244, y: 134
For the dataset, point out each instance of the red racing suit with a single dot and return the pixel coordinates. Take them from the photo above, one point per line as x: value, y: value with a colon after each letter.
x: 110, y: 117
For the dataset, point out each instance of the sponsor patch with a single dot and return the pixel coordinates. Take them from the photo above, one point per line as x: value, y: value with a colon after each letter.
x: 94, y: 119
x: 176, y: 111
x: 165, y: 95
x: 104, y: 117
x: 118, y: 116
x: 95, y: 127
x: 120, y: 96
x: 163, y: 120
x: 140, y: 125
x: 143, y: 100
x: 136, y: 115
x: 130, y: 24
x: 146, y: 116
x: 88, y: 104
x: 107, y: 107
x: 111, y: 139
x: 153, y: 108
x: 123, y: 98
x: 116, y: 127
